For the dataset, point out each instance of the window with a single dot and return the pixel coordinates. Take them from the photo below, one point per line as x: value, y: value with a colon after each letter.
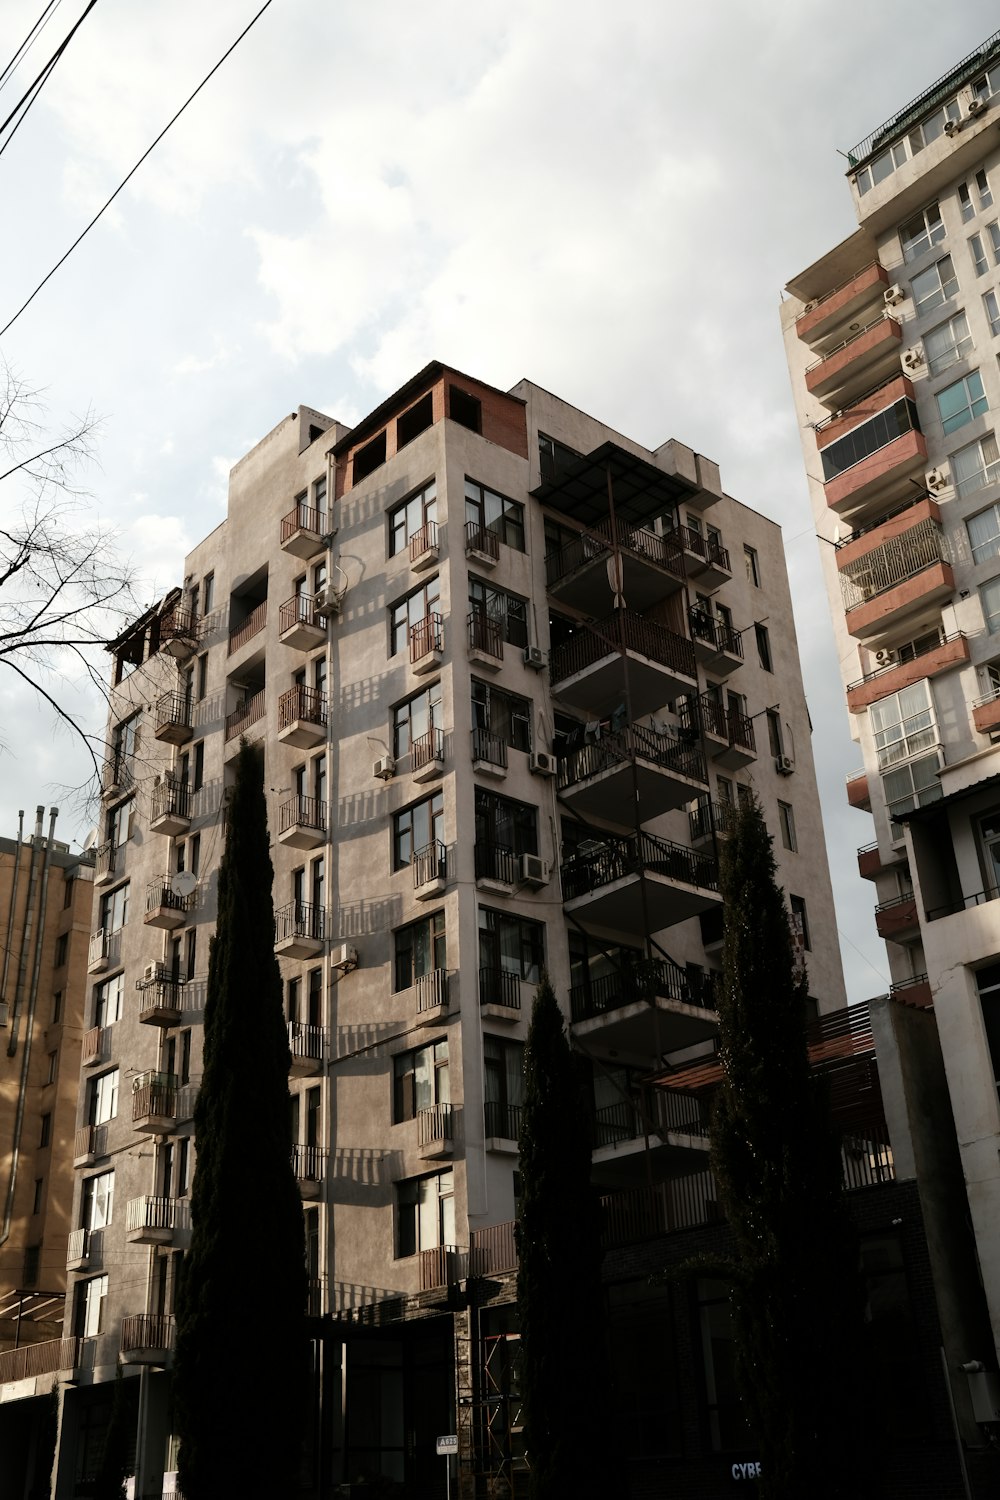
x: 511, y: 944
x: 988, y: 982
x: 976, y: 465
x: 198, y: 765
x: 201, y: 678
x: 903, y: 724
x: 774, y: 736
x: 884, y: 428
x: 492, y: 512
x: 800, y: 922
x: 989, y: 598
x: 52, y: 1067
x: 510, y: 612
x: 67, y: 893
x: 184, y: 1067
x: 90, y: 1298
x: 504, y: 715
x: 103, y: 1098
x: 420, y: 1079
x: 44, y: 1132
x: 368, y: 458
x: 416, y: 827
x: 319, y: 500
x: 918, y: 234
x: 465, y: 409
x: 425, y: 1213
x: 983, y: 195
x: 108, y: 1001
x: 961, y: 402
x: 124, y: 741
x: 420, y: 948
x: 984, y: 247
x: 411, y: 516
x: 114, y: 909
x: 57, y: 1002
x: 410, y: 611
x: 915, y: 784
x: 786, y: 822
x: 183, y: 1167
x: 763, y: 647
x: 62, y: 944
x: 502, y: 823
x: 947, y: 343
x: 932, y: 287
x: 414, y: 421
x: 965, y: 201
x: 97, y: 1201
x: 753, y: 570
x: 992, y: 311
x: 503, y: 1086
x: 984, y: 534
x: 208, y: 593
x: 39, y: 1194
x: 415, y: 718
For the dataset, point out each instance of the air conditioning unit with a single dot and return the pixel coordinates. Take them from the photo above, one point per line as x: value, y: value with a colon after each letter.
x: 344, y: 956
x: 327, y: 602
x: 952, y: 127
x: 936, y: 479
x: 810, y: 305
x: 976, y: 106
x: 534, y: 870
x: 893, y: 295
x: 150, y: 973
x: 384, y: 768
x: 542, y: 762
x: 912, y: 358
x: 536, y: 658
x: 784, y: 765
x: 886, y: 658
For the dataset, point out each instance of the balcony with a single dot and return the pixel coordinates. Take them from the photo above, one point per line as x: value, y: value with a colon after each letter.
x: 302, y: 531
x: 843, y: 305
x: 155, y: 1103
x: 165, y: 906
x: 427, y: 644
x: 869, y: 862
x: 171, y: 806
x: 582, y: 572
x: 665, y: 1130
x: 156, y: 1221
x: 493, y: 1250
x: 706, y: 560
x: 589, y: 671
x: 109, y: 864
x: 81, y: 1250
x: 95, y: 1047
x: 302, y: 717
x: 950, y: 651
x: 424, y: 547
x: 32, y: 1360
x: 427, y: 756
x: 497, y: 868
x: 726, y: 732
x: 302, y: 823
x: 986, y: 714
x: 642, y: 1011
x: 489, y: 754
x: 502, y: 1126
x: 883, y: 476
x: 117, y: 777
x: 432, y: 997
x: 443, y: 1267
x: 481, y: 544
x: 161, y: 997
x: 485, y: 640
x: 89, y: 1144
x: 147, y: 1339
x: 858, y: 794
x: 435, y: 1131
x: 104, y: 951
x: 718, y: 647
x: 173, y: 719
x: 299, y: 930
x: 299, y: 624
x: 897, y: 920
x: 643, y: 1213
x: 251, y: 625
x: 915, y: 992
x: 885, y: 582
x: 638, y: 883
x: 251, y: 711
x: 862, y: 360
x: 631, y: 768
x: 309, y: 1168
x: 710, y: 821
x: 430, y: 871
x: 308, y: 1047
x: 500, y: 994
x: 180, y: 632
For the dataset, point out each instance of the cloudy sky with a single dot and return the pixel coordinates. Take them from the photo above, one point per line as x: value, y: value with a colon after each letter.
x: 605, y: 198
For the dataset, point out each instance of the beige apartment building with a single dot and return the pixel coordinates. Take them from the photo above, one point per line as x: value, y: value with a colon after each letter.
x: 893, y: 339
x: 512, y: 672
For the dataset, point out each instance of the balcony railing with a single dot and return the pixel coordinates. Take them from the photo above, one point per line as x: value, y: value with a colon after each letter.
x: 171, y: 797
x: 145, y: 1331
x: 109, y: 862
x: 622, y: 745
x: 924, y: 649
x: 302, y: 812
x: 39, y: 1359
x: 887, y: 515
x: 502, y: 1121
x: 301, y: 702
x: 432, y: 990
x: 481, y: 539
x: 641, y: 1213
x: 664, y: 1112
x: 430, y: 863
x: 712, y: 817
x: 892, y: 562
x: 963, y: 903
x: 180, y: 629
x: 423, y: 540
x: 117, y: 776
x: 299, y: 610
x: 162, y: 994
x: 426, y: 635
x: 427, y: 749
x: 157, y: 1213
x: 866, y: 1156
x: 623, y: 631
x: 645, y: 981
x: 306, y: 1043
x: 500, y: 987
x: 493, y: 1249
x: 489, y: 748
x: 443, y: 1266
x: 90, y: 1140
x: 154, y: 1094
x: 251, y: 711
x: 173, y: 710
x: 302, y: 518
x: 712, y: 632
x: 251, y: 626
x: 309, y: 1162
x: 632, y: 854
x: 94, y: 1045
x: 495, y: 862
x: 160, y: 894
x: 705, y: 715
x: 435, y: 1124
x: 299, y: 919
x: 485, y: 634
x: 663, y: 551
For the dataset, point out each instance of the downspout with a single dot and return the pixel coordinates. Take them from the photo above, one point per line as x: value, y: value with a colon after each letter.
x: 29, y: 911
x: 13, y: 907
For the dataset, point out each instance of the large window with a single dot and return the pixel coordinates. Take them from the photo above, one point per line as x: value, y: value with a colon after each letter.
x: 918, y: 234
x: 502, y: 823
x: 416, y: 827
x: 493, y: 512
x: 89, y: 1312
x: 947, y: 343
x: 511, y: 944
x: 420, y: 1079
x: 410, y: 611
x: 868, y: 438
x: 903, y: 724
x: 959, y: 403
x: 932, y: 287
x: 108, y: 1000
x: 989, y: 597
x: 425, y: 1213
x: 506, y: 716
x: 510, y: 611
x: 415, y: 718
x: 914, y: 785
x: 992, y: 307
x: 786, y: 822
x: 412, y: 516
x: 97, y: 1201
x: 114, y: 909
x: 503, y: 1086
x: 985, y: 247
x: 970, y: 205
x: 984, y: 534
x: 102, y: 1103
x: 420, y: 948
x: 976, y: 465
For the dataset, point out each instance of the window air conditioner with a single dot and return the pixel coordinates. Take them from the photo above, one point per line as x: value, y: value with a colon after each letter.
x: 976, y: 105
x: 150, y: 973
x: 784, y: 765
x: 536, y: 658
x: 893, y: 295
x: 936, y: 479
x: 384, y: 768
x: 344, y: 956
x: 542, y: 762
x: 912, y: 358
x: 886, y: 658
x: 952, y: 127
x: 327, y: 602
x: 534, y: 870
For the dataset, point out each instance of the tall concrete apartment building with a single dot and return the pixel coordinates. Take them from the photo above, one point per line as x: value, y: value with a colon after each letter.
x: 893, y: 340
x: 512, y: 672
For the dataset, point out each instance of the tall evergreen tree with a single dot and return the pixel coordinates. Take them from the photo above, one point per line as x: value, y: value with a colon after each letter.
x: 240, y: 1361
x: 559, y: 1295
x: 795, y: 1285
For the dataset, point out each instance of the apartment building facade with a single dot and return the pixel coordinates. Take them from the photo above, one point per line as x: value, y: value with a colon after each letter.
x: 511, y: 672
x: 892, y: 341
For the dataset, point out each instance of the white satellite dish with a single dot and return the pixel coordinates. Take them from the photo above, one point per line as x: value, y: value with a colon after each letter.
x: 183, y: 884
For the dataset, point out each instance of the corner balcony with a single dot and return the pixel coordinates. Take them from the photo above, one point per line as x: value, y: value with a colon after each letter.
x: 155, y: 1103
x: 302, y: 823
x: 915, y: 992
x: 706, y: 560
x: 299, y: 624
x: 425, y: 549
x: 643, y: 1011
x: 489, y: 754
x: 726, y: 733
x: 897, y: 920
x: 308, y: 1046
x: 582, y: 572
x: 858, y: 794
x: 427, y: 756
x: 299, y: 930
x: 638, y: 883
x: 89, y: 1144
x: 171, y: 806
x: 165, y: 908
x: 427, y: 644
x: 718, y: 647
x: 949, y: 652
x: 986, y: 714
x: 436, y: 1131
x: 180, y: 632
x: 147, y: 1339
x: 157, y: 1221
x: 589, y: 670
x: 485, y: 637
x: 500, y: 994
x: 631, y: 767
x: 894, y: 579
x: 861, y: 293
x: 161, y: 997
x: 430, y: 871
x: 431, y: 993
x: 302, y: 532
x: 863, y: 359
x: 302, y: 718
x: 109, y: 864
x: 482, y: 545
x: 309, y: 1169
x: 172, y: 725
x: 666, y: 1132
x: 95, y: 1047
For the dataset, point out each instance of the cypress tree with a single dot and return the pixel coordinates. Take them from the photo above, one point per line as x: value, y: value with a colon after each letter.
x: 559, y: 1295
x: 795, y: 1284
x: 240, y: 1363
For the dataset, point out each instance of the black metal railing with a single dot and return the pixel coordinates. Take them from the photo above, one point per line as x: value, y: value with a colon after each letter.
x: 173, y: 709
x: 963, y: 903
x: 502, y: 1121
x: 500, y: 987
x: 705, y: 715
x: 712, y: 817
x: 426, y: 635
x: 147, y: 1331
x: 306, y: 1043
x: 637, y: 742
x: 159, y: 893
x: 299, y: 919
x: 430, y: 863
x: 423, y: 540
x: 496, y: 862
x: 302, y: 518
x: 301, y: 702
x: 250, y: 711
x: 427, y: 749
x: 712, y: 632
x: 172, y: 797
x: 643, y: 980
x: 309, y: 1162
x: 633, y: 854
x: 302, y: 812
x: 922, y: 650
x: 623, y: 631
x: 485, y: 633
x: 300, y: 610
x: 479, y: 538
x: 489, y: 748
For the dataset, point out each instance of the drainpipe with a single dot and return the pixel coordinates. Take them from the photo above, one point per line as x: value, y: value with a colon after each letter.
x: 13, y: 906
x: 29, y: 912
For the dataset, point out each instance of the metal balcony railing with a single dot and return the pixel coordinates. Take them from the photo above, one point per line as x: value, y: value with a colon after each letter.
x: 159, y: 894
x: 299, y: 919
x: 637, y: 742
x: 423, y: 540
x: 923, y: 649
x: 251, y: 626
x: 493, y: 1249
x: 479, y: 538
x: 305, y: 1042
x: 181, y: 624
x: 705, y: 715
x: 432, y: 990
x: 495, y: 862
x: 302, y: 518
x: 430, y: 863
x: 117, y: 776
x: 302, y: 812
x: 426, y: 749
x: 39, y: 1359
x: 90, y: 1140
x: 881, y: 317
x: 301, y: 702
x: 712, y: 817
x: 157, y: 1213
x: 299, y: 610
x: 309, y: 1162
x: 641, y: 1213
x: 162, y: 993
x: 171, y: 796
x: 892, y: 562
x: 426, y: 635
x: 143, y: 1331
x: 173, y: 708
x: 500, y: 987
x: 110, y: 859
x: 251, y: 711
x: 435, y: 1124
x: 645, y: 981
x: 485, y: 634
x: 489, y: 748
x: 632, y: 854
x: 502, y: 1121
x: 154, y: 1094
x: 623, y: 631
x: 443, y: 1266
x: 713, y: 632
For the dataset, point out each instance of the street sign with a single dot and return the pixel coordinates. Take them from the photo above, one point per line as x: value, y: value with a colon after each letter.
x: 447, y: 1444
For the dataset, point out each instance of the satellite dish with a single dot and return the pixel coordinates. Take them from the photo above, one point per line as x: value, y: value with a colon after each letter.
x: 183, y: 884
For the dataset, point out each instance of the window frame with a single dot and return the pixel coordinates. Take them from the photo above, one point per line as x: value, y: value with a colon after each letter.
x: 507, y: 520
x: 969, y: 386
x: 402, y: 618
x: 410, y: 516
x: 405, y: 843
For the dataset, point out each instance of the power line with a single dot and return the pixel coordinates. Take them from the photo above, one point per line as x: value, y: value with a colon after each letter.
x: 33, y: 90
x: 32, y: 36
x: 149, y: 150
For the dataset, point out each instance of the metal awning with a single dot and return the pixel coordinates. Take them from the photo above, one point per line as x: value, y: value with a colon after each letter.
x: 641, y: 491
